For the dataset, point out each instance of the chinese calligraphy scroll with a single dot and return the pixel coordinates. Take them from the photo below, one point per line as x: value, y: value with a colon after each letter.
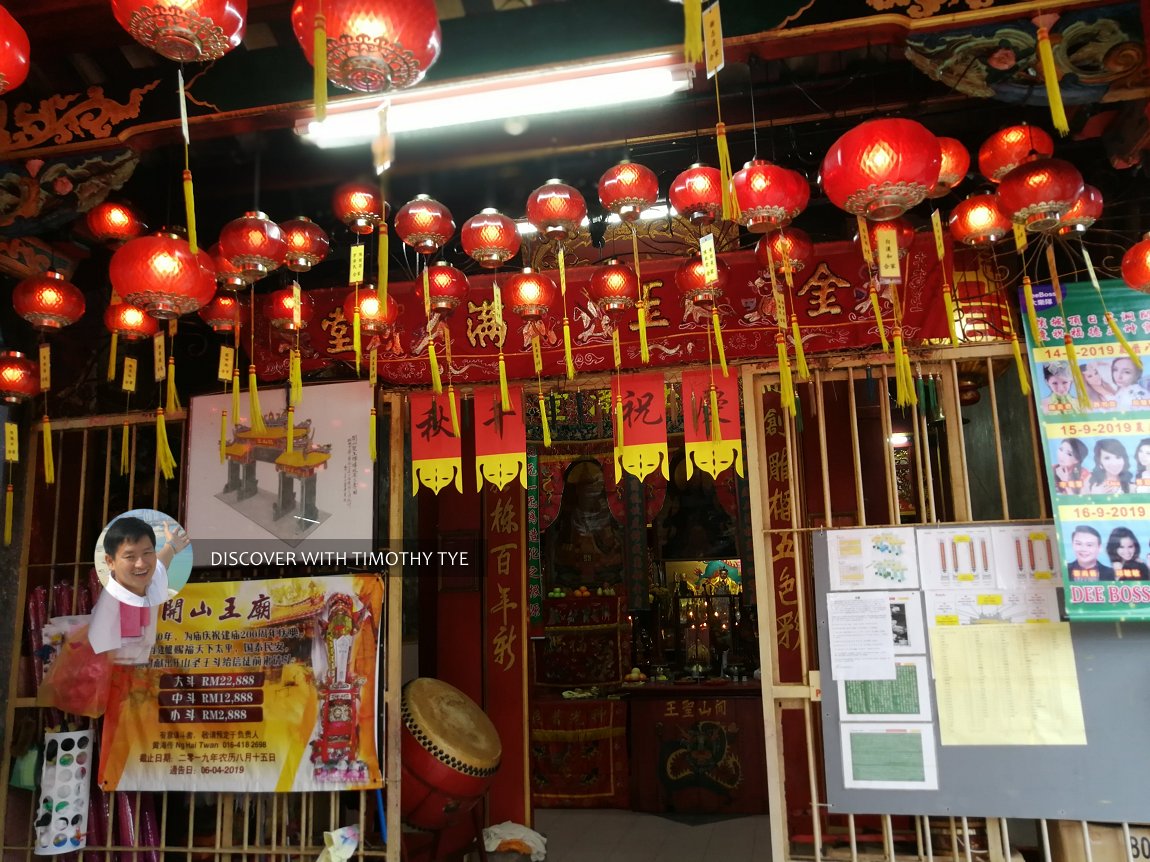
x: 707, y: 450
x: 436, y: 453
x: 500, y: 438
x: 640, y: 423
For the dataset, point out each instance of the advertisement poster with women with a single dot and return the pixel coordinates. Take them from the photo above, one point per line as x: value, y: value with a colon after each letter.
x: 1097, y: 448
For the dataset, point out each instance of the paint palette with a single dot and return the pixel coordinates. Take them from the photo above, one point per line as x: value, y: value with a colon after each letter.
x: 62, y: 816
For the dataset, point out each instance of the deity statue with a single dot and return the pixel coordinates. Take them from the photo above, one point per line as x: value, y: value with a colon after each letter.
x: 584, y: 547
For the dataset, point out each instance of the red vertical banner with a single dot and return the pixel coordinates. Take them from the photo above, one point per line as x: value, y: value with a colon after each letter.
x: 505, y: 646
x: 500, y: 438
x: 712, y: 447
x: 639, y: 417
x: 436, y: 454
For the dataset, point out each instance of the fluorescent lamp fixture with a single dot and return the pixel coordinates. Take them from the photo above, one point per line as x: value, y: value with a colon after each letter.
x: 547, y: 91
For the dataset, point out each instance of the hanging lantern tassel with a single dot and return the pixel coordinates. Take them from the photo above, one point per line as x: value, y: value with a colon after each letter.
x: 295, y: 377
x: 1023, y: 377
x: 453, y: 409
x: 289, y: 430
x: 49, y: 461
x: 800, y: 354
x: 874, y: 304
x: 786, y: 387
x: 543, y: 419
x: 172, y: 402
x: 901, y: 373
x: 504, y: 395
x: 730, y: 205
x: 356, y: 337
x: 319, y: 55
x: 1031, y: 312
x: 719, y: 339
x: 257, y: 419
x: 1076, y: 373
x: 716, y: 431
x: 436, y: 380
x: 190, y: 210
x: 566, y: 320
x: 164, y: 459
x: 9, y: 497
x: 236, y: 396
x: 641, y: 305
x: 618, y: 422
x: 693, y: 31
x: 948, y: 301
x: 1134, y: 357
x: 112, y: 356
x: 125, y: 455
x: 381, y: 265
x: 1050, y: 77
x: 371, y: 438
x: 223, y: 436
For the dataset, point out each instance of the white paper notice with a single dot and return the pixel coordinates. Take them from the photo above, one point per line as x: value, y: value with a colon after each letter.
x: 956, y: 559
x: 1025, y: 555
x: 1034, y: 604
x: 860, y: 634
x: 872, y: 559
x: 889, y: 756
x: 906, y: 626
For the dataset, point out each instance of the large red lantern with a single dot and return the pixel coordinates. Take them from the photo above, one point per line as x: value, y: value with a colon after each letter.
x: 373, y: 46
x: 627, y: 189
x: 186, y: 31
x: 129, y: 322
x: 114, y: 223
x: 697, y: 194
x: 48, y: 300
x: 769, y: 196
x: 615, y: 287
x: 978, y: 221
x: 952, y: 168
x: 1039, y: 193
x: 691, y: 279
x: 254, y: 244
x: 448, y: 287
x: 228, y: 277
x: 224, y: 313
x: 530, y: 293
x: 556, y: 210
x: 374, y: 316
x: 1086, y: 210
x: 358, y: 205
x: 1008, y: 148
x: 160, y: 274
x: 306, y: 242
x: 881, y: 168
x: 792, y: 244
x: 424, y: 224
x: 490, y: 238
x: 13, y: 52
x: 280, y: 310
x: 1136, y: 265
x: 19, y: 377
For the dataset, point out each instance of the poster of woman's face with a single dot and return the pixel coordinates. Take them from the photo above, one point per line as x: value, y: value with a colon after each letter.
x: 1094, y: 466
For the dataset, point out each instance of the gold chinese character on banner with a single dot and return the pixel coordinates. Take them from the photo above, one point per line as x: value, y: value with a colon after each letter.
x: 483, y: 324
x: 503, y: 518
x: 339, y: 333
x: 820, y: 292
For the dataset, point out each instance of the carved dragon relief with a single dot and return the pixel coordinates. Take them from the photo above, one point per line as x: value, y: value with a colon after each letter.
x: 63, y: 119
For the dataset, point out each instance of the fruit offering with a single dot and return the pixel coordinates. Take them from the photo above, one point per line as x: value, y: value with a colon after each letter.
x: 557, y: 593
x: 635, y: 675
x: 581, y: 592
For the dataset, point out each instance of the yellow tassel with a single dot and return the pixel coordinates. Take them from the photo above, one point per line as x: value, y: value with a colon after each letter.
x: 786, y: 387
x: 223, y: 436
x: 426, y: 295
x: 1023, y: 377
x: 433, y: 361
x: 172, y: 403
x: 800, y: 354
x: 1076, y: 373
x: 719, y: 339
x: 125, y: 455
x: 616, y: 351
x: 453, y: 409
x: 948, y: 300
x: 730, y: 204
x: 289, y: 430
x: 693, y: 31
x: 1050, y: 78
x: 644, y: 350
x: 1031, y: 311
x: 504, y: 395
x: 447, y: 348
x: 164, y: 459
x: 908, y: 379
x: 236, y: 396
x: 1134, y: 357
x: 874, y: 303
x: 295, y: 373
x: 567, y: 349
x: 257, y: 417
x: 8, y: 501
x: 619, y: 422
x: 49, y: 462
x: 902, y: 398
x: 112, y: 357
x: 319, y: 56
x: 381, y: 265
x: 641, y: 304
x: 190, y: 210
x: 356, y: 338
x: 716, y: 430
x: 371, y: 437
x: 543, y: 419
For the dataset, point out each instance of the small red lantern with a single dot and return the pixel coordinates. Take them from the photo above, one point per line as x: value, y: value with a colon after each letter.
x: 627, y: 189
x: 227, y: 276
x: 48, y: 300
x: 224, y: 313
x: 978, y: 221
x: 691, y: 280
x: 1086, y: 210
x: 769, y: 196
x: 159, y: 274
x: 13, y: 52
x: 953, y: 167
x: 1008, y: 148
x: 697, y: 194
x: 254, y: 244
x: 424, y: 224
x: 186, y: 31
x: 490, y: 238
x: 1039, y: 193
x: 19, y: 377
x: 792, y: 244
x: 615, y: 287
x: 358, y: 206
x: 1136, y: 265
x: 280, y: 310
x: 374, y: 318
x: 881, y: 168
x: 903, y: 231
x: 448, y: 287
x: 306, y: 242
x: 373, y: 46
x: 530, y: 293
x: 129, y: 322
x: 114, y: 223
x: 556, y: 210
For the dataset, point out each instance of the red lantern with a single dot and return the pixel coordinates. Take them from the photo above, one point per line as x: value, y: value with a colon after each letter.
x: 556, y: 210
x: 424, y: 224
x: 306, y: 242
x: 13, y: 52
x: 19, y: 377
x: 48, y: 300
x: 530, y: 293
x: 691, y: 280
x: 1136, y: 265
x: 953, y: 167
x: 227, y: 276
x: 881, y: 168
x: 129, y: 322
x: 793, y: 244
x: 1005, y: 150
x: 903, y: 231
x: 697, y: 194
x: 280, y: 309
x: 254, y: 244
x: 1039, y: 193
x: 615, y: 287
x: 1086, y: 210
x: 374, y: 318
x: 627, y: 189
x: 448, y: 287
x: 373, y: 46
x: 490, y: 238
x: 114, y: 223
x: 160, y: 274
x: 186, y: 31
x: 358, y: 206
x: 224, y: 313
x: 769, y: 196
x: 978, y: 221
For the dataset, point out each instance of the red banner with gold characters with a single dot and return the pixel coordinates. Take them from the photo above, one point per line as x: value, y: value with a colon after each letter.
x: 252, y: 687
x: 639, y: 416
x: 436, y: 451
x: 712, y: 447
x: 500, y: 438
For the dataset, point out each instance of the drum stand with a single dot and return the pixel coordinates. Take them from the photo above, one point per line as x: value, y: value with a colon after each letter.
x: 409, y: 854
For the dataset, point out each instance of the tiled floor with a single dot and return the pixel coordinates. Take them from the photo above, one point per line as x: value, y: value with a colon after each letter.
x: 627, y: 836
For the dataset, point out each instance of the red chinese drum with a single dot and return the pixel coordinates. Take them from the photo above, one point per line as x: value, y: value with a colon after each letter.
x: 450, y: 753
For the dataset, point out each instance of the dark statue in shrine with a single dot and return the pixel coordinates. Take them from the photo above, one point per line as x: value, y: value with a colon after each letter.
x: 584, y: 547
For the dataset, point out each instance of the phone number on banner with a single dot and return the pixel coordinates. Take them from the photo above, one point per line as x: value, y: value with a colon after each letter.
x: 1098, y: 428
x: 1104, y: 512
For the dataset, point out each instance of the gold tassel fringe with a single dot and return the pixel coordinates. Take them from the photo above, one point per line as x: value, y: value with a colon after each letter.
x: 716, y: 430
x: 295, y: 378
x: 568, y: 358
x: 319, y: 56
x: 382, y: 265
x: 730, y: 204
x: 1023, y: 377
x: 223, y: 436
x: 257, y: 418
x: 719, y: 339
x: 1134, y: 357
x: 948, y: 301
x: 357, y: 338
x: 112, y: 357
x: 1076, y: 373
x: 289, y: 430
x: 49, y: 461
x: 644, y: 349
x: 504, y: 395
x: 190, y: 210
x: 800, y: 354
x: 433, y: 361
x: 904, y: 382
x: 172, y: 402
x: 874, y: 304
x: 619, y: 421
x: 1050, y: 78
x: 125, y: 454
x: 453, y: 409
x: 545, y: 422
x: 164, y: 459
x: 371, y: 437
x: 1031, y: 311
x: 786, y: 387
x: 641, y: 304
x: 236, y: 396
x: 9, y: 497
x: 692, y: 31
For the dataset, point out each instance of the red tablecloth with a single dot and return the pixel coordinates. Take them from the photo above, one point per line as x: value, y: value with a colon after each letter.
x: 579, y: 753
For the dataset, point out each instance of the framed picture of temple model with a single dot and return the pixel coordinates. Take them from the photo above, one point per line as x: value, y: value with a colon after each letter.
x: 257, y: 497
